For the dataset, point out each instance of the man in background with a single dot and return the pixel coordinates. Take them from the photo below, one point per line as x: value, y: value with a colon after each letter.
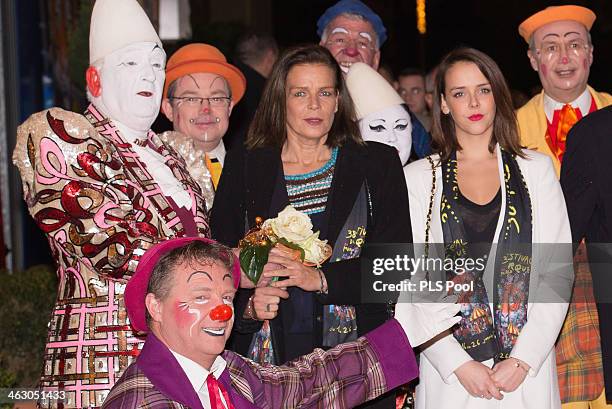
x: 411, y: 88
x: 255, y: 56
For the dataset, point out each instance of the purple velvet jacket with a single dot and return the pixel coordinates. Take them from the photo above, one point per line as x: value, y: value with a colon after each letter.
x: 342, y: 377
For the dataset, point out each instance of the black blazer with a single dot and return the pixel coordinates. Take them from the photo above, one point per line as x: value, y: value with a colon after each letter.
x: 247, y: 189
x: 586, y: 179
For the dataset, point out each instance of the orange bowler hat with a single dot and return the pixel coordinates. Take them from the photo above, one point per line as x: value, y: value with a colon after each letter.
x: 556, y: 13
x: 199, y: 57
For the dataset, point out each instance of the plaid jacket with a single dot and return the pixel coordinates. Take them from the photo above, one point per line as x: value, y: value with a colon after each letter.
x: 342, y: 377
x: 101, y: 209
x: 578, y: 349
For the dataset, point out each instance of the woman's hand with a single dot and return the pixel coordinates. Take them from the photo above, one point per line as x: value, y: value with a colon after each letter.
x: 508, y: 376
x: 476, y: 379
x: 296, y: 273
x: 266, y: 300
x: 265, y: 281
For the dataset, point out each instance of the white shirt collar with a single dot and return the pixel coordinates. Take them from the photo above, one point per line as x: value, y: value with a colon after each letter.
x: 218, y: 152
x: 583, y: 102
x: 196, y: 373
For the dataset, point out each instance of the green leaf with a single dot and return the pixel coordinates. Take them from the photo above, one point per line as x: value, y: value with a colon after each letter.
x: 253, y: 258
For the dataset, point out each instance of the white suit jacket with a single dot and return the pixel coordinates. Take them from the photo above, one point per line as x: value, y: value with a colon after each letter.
x: 439, y: 388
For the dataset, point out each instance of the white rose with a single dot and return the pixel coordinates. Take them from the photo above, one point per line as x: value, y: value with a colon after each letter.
x: 291, y: 225
x: 314, y: 249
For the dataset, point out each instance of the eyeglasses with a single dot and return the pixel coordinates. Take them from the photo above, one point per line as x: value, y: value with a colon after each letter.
x: 198, y: 101
x: 553, y: 49
x: 345, y: 40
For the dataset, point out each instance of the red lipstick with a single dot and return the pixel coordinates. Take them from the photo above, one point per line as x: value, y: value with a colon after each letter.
x: 475, y: 117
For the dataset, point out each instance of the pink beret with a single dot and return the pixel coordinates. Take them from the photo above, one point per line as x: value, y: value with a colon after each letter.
x: 136, y: 289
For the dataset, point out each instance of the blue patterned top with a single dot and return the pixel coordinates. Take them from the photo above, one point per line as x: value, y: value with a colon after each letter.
x: 308, y: 192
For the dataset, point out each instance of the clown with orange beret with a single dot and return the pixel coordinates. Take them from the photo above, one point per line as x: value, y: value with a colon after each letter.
x: 561, y: 52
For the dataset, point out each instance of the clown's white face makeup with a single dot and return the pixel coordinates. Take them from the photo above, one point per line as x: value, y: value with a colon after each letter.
x: 350, y: 41
x: 185, y: 321
x: 562, y: 57
x: 132, y: 80
x: 390, y: 126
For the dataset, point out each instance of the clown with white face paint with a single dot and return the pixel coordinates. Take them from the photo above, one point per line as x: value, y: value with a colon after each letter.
x: 182, y: 295
x: 561, y: 52
x: 103, y: 188
x: 133, y: 78
x: 352, y: 32
x: 380, y: 110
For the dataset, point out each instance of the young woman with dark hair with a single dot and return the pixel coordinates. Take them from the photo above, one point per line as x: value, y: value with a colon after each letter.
x: 481, y: 196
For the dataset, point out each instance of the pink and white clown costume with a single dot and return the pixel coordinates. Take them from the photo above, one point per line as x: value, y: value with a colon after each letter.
x: 103, y: 188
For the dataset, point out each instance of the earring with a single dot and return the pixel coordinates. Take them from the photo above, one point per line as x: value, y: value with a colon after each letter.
x: 191, y: 120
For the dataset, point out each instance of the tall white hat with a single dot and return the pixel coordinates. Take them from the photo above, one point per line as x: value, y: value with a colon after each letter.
x: 369, y: 90
x: 116, y: 24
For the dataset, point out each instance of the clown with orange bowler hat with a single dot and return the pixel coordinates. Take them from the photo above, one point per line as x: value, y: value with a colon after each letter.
x: 561, y: 52
x: 200, y: 93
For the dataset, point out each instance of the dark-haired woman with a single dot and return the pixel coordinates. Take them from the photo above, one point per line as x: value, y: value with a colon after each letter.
x: 481, y: 188
x: 304, y: 149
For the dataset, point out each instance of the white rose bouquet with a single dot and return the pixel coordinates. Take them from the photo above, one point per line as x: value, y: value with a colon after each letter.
x: 290, y: 231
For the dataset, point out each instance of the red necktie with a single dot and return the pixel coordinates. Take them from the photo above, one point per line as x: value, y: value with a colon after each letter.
x: 214, y: 387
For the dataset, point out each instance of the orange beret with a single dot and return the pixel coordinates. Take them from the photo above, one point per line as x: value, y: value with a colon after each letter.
x: 198, y: 57
x: 556, y: 13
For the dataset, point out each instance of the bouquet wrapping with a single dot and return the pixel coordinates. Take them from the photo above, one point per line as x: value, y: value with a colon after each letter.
x: 291, y: 231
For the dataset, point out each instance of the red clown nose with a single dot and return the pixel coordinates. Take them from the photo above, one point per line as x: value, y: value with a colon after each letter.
x: 221, y: 313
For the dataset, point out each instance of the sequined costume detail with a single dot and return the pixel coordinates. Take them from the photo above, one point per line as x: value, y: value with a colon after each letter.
x: 100, y: 210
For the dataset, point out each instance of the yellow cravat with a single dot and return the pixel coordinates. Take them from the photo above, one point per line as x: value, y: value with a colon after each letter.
x: 214, y: 167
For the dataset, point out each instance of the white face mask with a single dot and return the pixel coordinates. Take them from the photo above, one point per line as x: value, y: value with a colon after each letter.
x: 132, y: 80
x: 390, y: 126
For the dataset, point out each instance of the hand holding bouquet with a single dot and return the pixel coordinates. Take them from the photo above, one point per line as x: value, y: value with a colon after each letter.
x: 291, y: 231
